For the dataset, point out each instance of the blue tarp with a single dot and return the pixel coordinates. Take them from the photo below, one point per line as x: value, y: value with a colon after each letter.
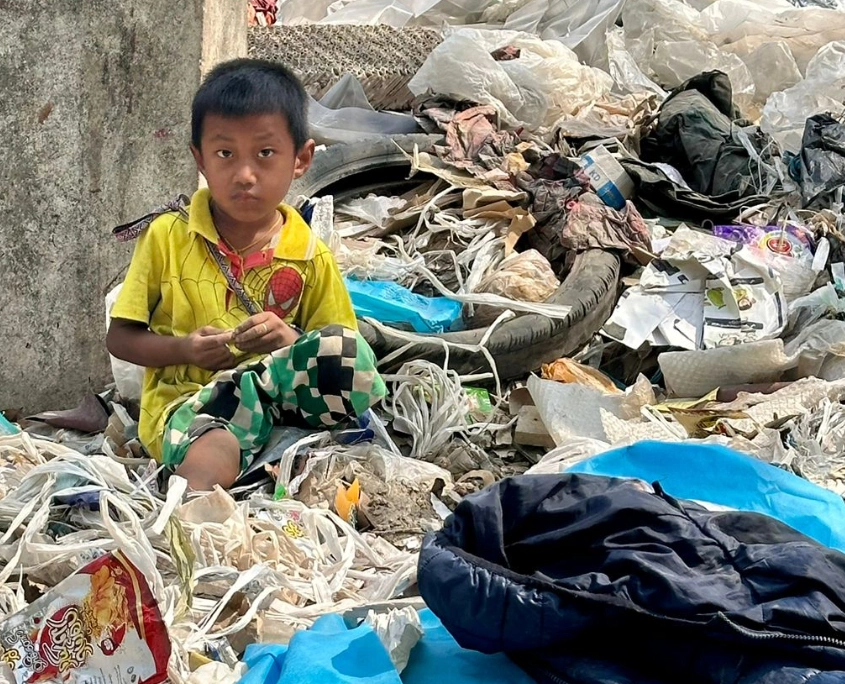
x: 707, y: 472
x: 329, y: 653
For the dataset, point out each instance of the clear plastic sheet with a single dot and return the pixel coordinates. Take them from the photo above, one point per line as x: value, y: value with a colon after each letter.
x: 823, y: 90
x: 344, y: 115
x: 545, y: 83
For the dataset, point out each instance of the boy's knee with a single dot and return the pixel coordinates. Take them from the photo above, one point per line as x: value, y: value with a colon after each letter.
x: 212, y: 460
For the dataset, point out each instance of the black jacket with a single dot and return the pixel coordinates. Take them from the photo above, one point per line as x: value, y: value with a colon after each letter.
x: 590, y: 580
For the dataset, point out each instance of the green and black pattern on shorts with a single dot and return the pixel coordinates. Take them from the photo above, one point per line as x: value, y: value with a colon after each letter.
x: 326, y: 377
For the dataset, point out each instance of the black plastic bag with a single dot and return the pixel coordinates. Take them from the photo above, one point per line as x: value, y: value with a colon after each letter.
x: 822, y: 159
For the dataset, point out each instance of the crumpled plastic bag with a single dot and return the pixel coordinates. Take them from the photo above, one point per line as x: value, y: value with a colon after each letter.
x: 822, y: 90
x: 344, y: 115
x: 627, y: 76
x: 524, y: 277
x: 668, y: 38
x: 545, y: 83
x: 648, y: 23
x: 741, y: 26
x: 374, y: 210
x: 581, y: 26
x: 787, y: 250
x: 822, y: 158
x: 573, y: 410
x: 399, y: 631
x: 676, y: 62
x: 128, y: 377
x: 773, y: 68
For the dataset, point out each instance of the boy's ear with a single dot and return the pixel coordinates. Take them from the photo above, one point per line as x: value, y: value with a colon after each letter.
x: 198, y: 159
x: 303, y: 159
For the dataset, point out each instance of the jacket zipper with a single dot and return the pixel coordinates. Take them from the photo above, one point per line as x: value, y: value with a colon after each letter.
x: 545, y: 676
x: 769, y: 636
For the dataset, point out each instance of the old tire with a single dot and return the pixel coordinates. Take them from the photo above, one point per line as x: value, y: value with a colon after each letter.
x: 343, y: 167
x: 518, y: 346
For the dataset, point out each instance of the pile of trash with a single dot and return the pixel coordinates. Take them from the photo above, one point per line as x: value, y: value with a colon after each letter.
x: 699, y: 146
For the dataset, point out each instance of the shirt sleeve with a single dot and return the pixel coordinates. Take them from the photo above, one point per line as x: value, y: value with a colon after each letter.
x: 141, y: 291
x: 326, y: 300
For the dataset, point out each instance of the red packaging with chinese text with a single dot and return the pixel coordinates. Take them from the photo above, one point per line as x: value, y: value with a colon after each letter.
x: 100, y: 625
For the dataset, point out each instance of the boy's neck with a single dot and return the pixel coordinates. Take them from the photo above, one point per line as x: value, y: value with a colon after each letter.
x: 239, y: 233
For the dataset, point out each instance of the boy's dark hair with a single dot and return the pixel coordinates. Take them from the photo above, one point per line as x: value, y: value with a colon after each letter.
x: 246, y: 87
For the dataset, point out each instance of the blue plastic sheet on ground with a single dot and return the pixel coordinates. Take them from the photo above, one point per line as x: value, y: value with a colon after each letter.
x: 716, y: 474
x: 392, y: 304
x: 330, y: 653
x: 437, y: 658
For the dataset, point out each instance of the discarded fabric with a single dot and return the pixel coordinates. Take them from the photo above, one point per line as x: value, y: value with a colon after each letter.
x: 536, y: 566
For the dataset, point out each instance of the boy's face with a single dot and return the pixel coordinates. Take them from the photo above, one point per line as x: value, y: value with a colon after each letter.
x: 249, y: 163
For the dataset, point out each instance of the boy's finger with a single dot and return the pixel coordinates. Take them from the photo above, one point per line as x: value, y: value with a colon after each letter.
x: 254, y: 333
x: 249, y: 324
x: 213, y: 341
x: 211, y: 331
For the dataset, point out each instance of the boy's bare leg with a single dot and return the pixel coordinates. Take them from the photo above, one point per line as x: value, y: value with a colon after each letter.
x: 214, y: 459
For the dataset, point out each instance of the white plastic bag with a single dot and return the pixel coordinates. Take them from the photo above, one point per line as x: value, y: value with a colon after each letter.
x: 373, y: 210
x: 627, y: 76
x: 741, y: 27
x: 773, y: 69
x: 581, y: 26
x: 128, y: 377
x: 344, y: 115
x: 399, y: 630
x: 545, y: 83
x: 822, y: 90
x: 675, y: 62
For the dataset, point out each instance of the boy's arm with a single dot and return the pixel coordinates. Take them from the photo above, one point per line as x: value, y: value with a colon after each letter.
x: 129, y: 337
x: 135, y: 343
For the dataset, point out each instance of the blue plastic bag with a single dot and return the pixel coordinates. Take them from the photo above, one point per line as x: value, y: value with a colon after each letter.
x: 392, y: 304
x: 6, y: 428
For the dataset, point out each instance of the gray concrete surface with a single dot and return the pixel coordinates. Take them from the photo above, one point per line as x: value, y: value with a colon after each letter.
x: 94, y: 128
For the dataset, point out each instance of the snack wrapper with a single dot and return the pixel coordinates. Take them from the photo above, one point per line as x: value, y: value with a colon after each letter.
x: 790, y: 241
x: 101, y: 624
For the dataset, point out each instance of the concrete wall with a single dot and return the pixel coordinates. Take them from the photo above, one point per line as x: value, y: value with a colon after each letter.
x: 94, y: 130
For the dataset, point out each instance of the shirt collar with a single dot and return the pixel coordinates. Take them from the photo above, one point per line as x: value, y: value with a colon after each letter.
x: 297, y: 242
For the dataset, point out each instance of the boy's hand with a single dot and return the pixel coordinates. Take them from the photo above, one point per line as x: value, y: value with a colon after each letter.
x: 208, y: 349
x: 264, y: 333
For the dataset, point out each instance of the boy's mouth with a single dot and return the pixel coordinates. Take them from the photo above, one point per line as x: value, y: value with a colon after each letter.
x: 244, y: 197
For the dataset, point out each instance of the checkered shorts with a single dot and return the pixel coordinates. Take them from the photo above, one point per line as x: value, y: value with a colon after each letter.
x: 326, y: 377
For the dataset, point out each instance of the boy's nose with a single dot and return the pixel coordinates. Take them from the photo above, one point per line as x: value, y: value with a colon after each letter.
x: 245, y: 175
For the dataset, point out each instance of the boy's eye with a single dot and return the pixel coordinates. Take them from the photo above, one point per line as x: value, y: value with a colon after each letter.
x: 267, y: 152
x: 224, y: 154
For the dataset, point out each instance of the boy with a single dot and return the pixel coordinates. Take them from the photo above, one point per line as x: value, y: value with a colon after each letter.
x: 236, y: 309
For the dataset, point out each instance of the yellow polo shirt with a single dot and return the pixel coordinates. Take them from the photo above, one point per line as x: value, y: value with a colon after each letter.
x: 175, y: 287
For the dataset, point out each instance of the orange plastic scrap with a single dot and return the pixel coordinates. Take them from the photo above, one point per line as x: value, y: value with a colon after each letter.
x: 346, y: 502
x: 569, y: 371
